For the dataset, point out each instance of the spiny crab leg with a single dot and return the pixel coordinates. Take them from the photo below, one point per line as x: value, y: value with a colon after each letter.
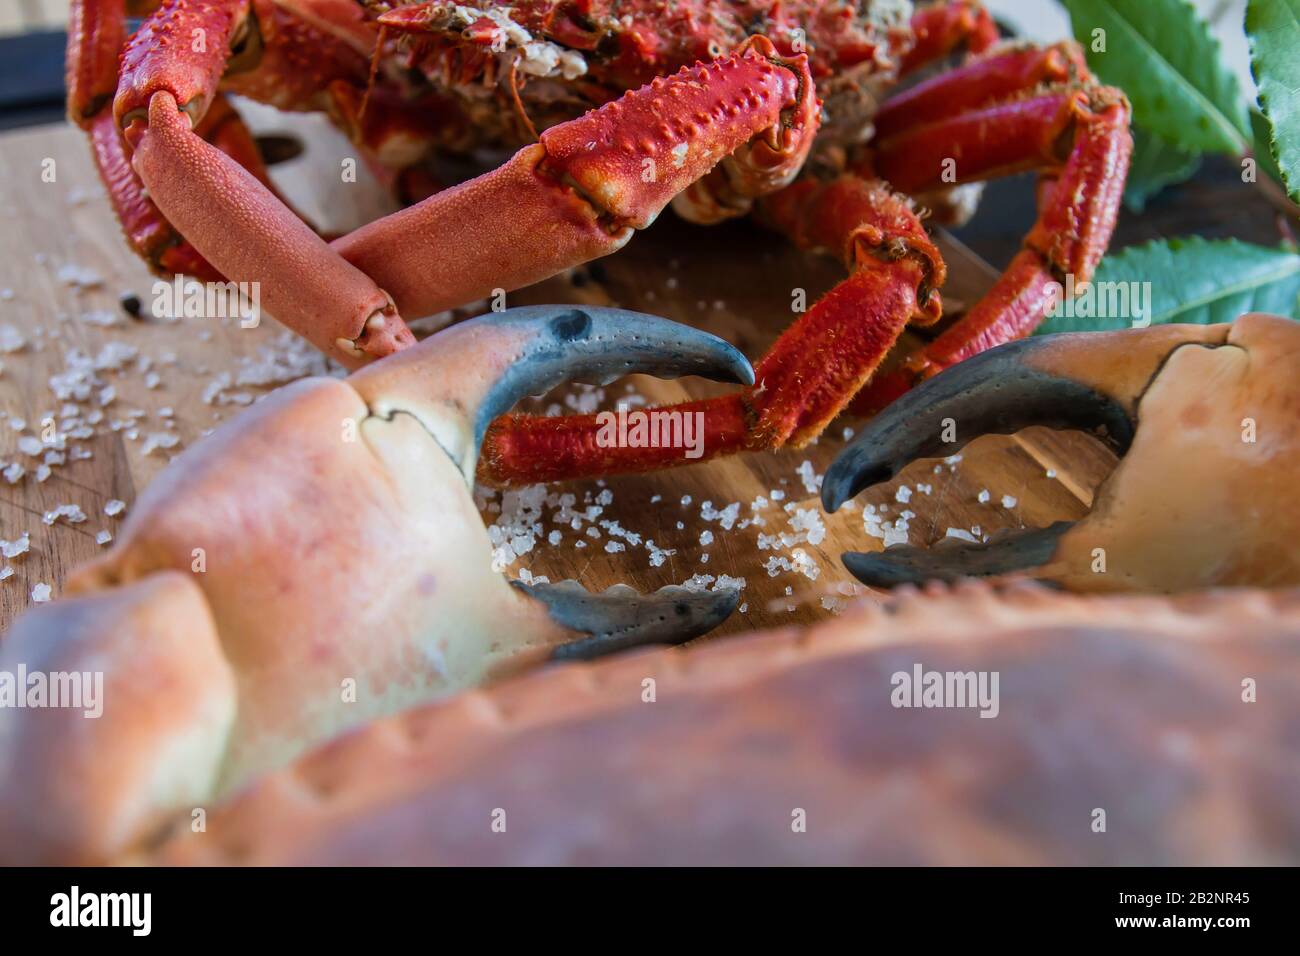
x: 1077, y: 135
x: 1163, y: 521
x: 341, y: 542
x: 983, y: 80
x: 1078, y: 205
x: 807, y: 376
x: 577, y: 194
x: 582, y: 190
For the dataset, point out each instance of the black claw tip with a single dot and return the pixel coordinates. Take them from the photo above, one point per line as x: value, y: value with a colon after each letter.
x: 997, y: 392
x: 621, y: 618
x: 904, y: 564
x: 599, y: 344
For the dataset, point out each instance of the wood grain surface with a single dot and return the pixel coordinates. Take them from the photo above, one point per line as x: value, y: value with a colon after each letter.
x: 734, y: 280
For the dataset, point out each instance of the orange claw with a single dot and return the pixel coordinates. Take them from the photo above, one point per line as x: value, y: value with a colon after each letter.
x: 196, y: 38
x: 210, y: 199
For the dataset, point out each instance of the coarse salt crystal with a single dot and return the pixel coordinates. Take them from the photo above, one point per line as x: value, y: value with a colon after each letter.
x: 158, y: 440
x: 71, y: 513
x: 11, y: 340
x: 20, y: 545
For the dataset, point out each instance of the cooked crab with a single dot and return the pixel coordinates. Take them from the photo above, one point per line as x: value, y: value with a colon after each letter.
x: 314, y: 564
x: 716, y: 138
x: 1128, y: 730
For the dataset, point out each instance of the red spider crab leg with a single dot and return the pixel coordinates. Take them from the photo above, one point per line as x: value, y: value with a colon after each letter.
x: 577, y: 194
x: 1077, y: 210
x: 213, y: 200
x: 582, y: 190
x: 823, y: 358
x: 984, y: 80
x: 811, y: 371
x: 96, y: 36
x: 940, y: 28
x: 96, y: 40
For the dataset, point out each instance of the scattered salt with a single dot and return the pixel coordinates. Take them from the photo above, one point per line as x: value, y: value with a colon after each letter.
x: 70, y: 513
x: 20, y: 545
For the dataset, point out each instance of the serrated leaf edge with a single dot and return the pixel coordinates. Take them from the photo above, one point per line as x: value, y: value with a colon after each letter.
x: 1216, y: 115
x: 1293, y: 191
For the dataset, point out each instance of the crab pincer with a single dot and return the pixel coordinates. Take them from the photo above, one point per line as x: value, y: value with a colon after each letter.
x: 314, y: 564
x: 1203, y: 417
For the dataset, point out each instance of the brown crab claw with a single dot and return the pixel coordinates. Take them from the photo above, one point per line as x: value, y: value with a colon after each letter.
x: 1183, y: 405
x: 316, y: 563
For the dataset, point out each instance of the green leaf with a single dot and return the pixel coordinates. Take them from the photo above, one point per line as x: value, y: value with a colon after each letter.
x: 1193, y: 280
x: 1263, y: 149
x: 1162, y: 55
x: 1157, y: 163
x: 1274, y: 30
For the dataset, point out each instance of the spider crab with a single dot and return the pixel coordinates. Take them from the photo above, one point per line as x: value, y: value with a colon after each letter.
x: 713, y: 107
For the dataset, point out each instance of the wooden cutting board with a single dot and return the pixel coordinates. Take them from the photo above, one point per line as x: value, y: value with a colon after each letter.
x: 64, y: 265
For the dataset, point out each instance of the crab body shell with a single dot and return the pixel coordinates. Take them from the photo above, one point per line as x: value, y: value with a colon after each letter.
x: 570, y: 57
